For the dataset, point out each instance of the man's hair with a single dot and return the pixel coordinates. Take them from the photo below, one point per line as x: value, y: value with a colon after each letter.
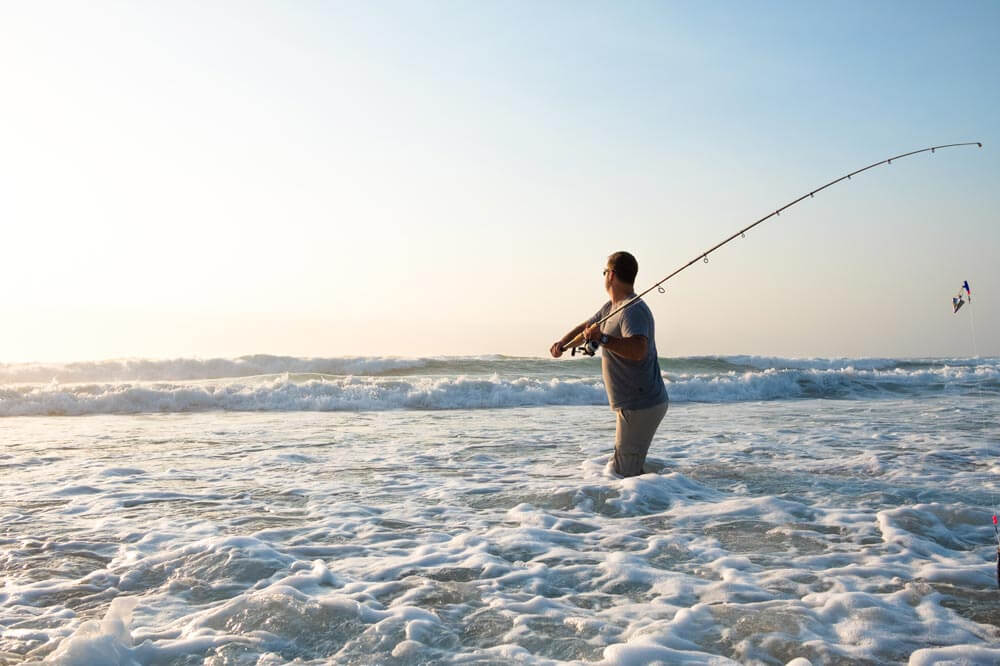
x: 624, y: 265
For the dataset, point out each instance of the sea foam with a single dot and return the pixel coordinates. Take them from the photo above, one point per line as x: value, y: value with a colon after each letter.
x: 374, y: 392
x: 785, y: 531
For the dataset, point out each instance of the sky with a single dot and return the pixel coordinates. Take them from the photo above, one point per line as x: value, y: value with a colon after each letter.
x: 214, y: 179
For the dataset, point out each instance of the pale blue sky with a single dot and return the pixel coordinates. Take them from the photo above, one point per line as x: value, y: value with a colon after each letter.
x: 413, y: 178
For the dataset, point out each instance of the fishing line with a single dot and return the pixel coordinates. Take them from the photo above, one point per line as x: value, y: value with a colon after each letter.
x: 982, y: 430
x: 590, y: 347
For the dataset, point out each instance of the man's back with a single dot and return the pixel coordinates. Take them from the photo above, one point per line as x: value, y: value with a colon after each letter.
x: 631, y: 384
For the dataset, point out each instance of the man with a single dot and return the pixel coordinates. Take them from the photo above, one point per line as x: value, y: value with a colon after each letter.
x: 629, y: 364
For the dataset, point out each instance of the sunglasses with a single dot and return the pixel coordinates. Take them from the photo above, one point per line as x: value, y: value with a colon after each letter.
x: 608, y: 270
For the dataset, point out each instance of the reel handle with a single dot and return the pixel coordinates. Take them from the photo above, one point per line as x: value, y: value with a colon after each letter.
x: 582, y: 345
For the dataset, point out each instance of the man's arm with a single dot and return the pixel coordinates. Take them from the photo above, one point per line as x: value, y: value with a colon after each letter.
x: 557, y: 347
x: 633, y: 348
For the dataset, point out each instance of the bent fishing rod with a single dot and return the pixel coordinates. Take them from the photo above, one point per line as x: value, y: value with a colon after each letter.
x: 590, y: 348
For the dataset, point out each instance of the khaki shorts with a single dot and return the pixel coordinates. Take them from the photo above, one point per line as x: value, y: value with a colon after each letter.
x: 633, y: 435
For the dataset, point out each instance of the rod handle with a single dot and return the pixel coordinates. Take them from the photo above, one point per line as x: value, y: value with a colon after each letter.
x: 575, y: 342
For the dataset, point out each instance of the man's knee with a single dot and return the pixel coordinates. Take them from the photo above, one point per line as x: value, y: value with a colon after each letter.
x: 628, y: 465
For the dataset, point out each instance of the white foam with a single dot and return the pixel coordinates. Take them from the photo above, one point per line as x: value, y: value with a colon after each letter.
x: 777, y: 532
x: 110, y: 643
x: 957, y: 655
x: 285, y: 394
x: 775, y: 362
x: 106, y: 642
x: 355, y: 393
x: 180, y: 369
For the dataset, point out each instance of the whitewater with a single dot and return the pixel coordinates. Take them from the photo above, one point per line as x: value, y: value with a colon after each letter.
x: 279, y: 383
x: 271, y: 510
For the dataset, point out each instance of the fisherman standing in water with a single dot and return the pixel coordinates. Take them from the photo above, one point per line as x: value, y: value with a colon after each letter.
x: 629, y: 364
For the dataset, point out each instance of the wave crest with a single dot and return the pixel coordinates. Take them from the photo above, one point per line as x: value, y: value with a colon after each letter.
x: 310, y: 392
x: 192, y: 369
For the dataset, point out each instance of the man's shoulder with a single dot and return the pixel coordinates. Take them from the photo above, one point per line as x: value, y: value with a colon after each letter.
x: 638, y: 319
x: 639, y: 307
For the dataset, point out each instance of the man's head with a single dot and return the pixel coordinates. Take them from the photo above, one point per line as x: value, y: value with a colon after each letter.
x: 624, y: 266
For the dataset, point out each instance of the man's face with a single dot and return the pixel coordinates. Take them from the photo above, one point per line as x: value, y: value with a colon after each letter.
x: 608, y: 277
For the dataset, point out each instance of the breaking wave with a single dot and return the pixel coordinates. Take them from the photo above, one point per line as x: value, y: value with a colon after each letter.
x: 369, y: 384
x: 125, y: 370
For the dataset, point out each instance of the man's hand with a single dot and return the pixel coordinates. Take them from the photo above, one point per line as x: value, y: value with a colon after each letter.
x: 592, y: 332
x: 557, y: 347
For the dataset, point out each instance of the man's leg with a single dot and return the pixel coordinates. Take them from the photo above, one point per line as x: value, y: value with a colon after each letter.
x: 633, y: 435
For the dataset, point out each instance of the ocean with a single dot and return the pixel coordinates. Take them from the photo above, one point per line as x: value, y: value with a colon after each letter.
x: 271, y: 510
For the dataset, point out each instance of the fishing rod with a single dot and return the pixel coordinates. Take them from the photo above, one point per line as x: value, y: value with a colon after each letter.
x: 957, y: 302
x: 577, y: 343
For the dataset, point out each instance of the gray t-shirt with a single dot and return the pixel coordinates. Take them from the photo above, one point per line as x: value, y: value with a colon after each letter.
x: 631, y: 384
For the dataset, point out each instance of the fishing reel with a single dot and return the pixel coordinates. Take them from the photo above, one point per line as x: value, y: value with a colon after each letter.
x: 587, y: 349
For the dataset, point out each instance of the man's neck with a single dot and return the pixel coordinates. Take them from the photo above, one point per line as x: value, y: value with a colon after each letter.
x: 621, y: 294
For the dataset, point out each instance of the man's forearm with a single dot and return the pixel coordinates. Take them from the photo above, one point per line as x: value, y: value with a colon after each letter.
x: 633, y: 348
x: 577, y: 330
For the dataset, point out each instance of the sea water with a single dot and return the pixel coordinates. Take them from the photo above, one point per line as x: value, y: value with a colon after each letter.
x: 272, y: 510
